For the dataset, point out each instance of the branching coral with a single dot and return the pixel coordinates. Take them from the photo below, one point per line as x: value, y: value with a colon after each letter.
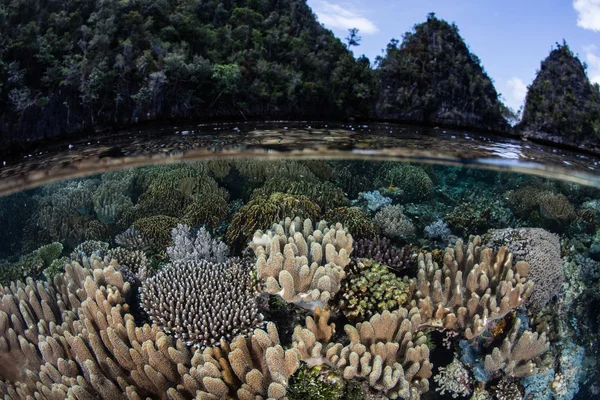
x: 387, y: 351
x: 202, y: 302
x: 157, y: 230
x: 133, y: 264
x: 354, y: 219
x: 473, y: 287
x: 263, y: 211
x: 454, y: 379
x: 393, y: 223
x: 112, y: 199
x: 370, y: 288
x: 256, y: 367
x: 201, y: 246
x: 302, y: 264
x: 381, y: 250
x: 518, y: 352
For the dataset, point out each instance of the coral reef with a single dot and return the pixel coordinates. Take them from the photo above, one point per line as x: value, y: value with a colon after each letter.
x: 541, y: 250
x: 354, y: 219
x: 386, y: 351
x: 373, y: 201
x: 412, y: 180
x: 437, y: 230
x: 370, y: 288
x: 393, y: 223
x: 467, y: 219
x: 302, y: 264
x: 196, y: 247
x: 518, y: 353
x: 263, y: 211
x: 201, y: 302
x: 454, y: 379
x: 325, y: 194
x: 381, y: 250
x: 473, y: 287
x: 133, y: 264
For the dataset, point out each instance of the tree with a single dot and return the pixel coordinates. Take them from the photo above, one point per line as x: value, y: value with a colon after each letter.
x: 353, y: 39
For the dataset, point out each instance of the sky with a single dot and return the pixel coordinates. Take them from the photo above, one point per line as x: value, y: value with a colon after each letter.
x: 511, y: 37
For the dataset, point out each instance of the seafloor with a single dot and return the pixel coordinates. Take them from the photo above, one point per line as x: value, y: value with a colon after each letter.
x: 297, y: 279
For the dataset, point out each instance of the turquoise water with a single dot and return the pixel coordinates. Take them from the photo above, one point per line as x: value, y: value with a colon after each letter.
x: 328, y: 277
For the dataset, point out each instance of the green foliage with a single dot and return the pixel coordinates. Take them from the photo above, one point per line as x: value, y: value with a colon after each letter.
x: 94, y: 63
x: 561, y: 100
x: 433, y: 77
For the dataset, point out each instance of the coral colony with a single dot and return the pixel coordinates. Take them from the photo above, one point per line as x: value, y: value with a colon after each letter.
x: 255, y: 279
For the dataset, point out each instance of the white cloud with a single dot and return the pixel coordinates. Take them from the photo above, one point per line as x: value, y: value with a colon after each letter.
x: 588, y: 14
x: 342, y: 17
x: 593, y: 61
x: 517, y: 90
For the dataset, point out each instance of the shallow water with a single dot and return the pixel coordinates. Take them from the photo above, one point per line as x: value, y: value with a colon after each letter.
x: 469, y: 271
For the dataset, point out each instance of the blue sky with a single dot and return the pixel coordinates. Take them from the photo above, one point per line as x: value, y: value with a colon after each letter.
x: 511, y: 37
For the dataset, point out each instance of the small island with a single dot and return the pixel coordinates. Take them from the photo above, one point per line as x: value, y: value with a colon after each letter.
x: 82, y: 67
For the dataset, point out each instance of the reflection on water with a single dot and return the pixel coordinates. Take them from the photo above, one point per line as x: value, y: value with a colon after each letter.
x: 290, y: 278
x: 21, y: 169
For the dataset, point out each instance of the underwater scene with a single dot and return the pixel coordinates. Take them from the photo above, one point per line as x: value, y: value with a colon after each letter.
x: 301, y: 279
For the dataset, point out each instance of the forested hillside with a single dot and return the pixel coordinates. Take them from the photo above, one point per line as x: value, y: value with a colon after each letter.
x: 432, y: 77
x: 67, y: 65
x: 561, y: 101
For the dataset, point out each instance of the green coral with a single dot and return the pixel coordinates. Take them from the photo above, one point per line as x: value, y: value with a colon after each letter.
x: 354, y: 219
x: 321, y: 383
x: 32, y: 264
x: 263, y: 211
x: 467, y: 219
x: 157, y: 229
x: 412, y: 182
x: 169, y: 190
x: 325, y: 194
x: 210, y: 210
x: 371, y: 288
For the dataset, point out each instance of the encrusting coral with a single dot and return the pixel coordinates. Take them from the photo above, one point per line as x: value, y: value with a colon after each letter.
x: 302, y: 264
x: 201, y: 302
x: 370, y: 288
x: 387, y: 351
x: 473, y: 287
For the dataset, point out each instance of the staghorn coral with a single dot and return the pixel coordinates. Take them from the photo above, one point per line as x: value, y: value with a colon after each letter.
x: 354, y: 219
x: 112, y: 199
x: 541, y: 250
x: 325, y: 194
x: 157, y: 230
x: 89, y: 247
x: 202, y: 302
x: 373, y: 201
x: 393, y: 223
x: 302, y: 264
x: 370, y: 288
x: 201, y: 246
x: 387, y: 351
x: 473, y: 287
x: 256, y: 367
x: 263, y: 211
x: 381, y: 250
x: 132, y: 263
x: 518, y: 353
